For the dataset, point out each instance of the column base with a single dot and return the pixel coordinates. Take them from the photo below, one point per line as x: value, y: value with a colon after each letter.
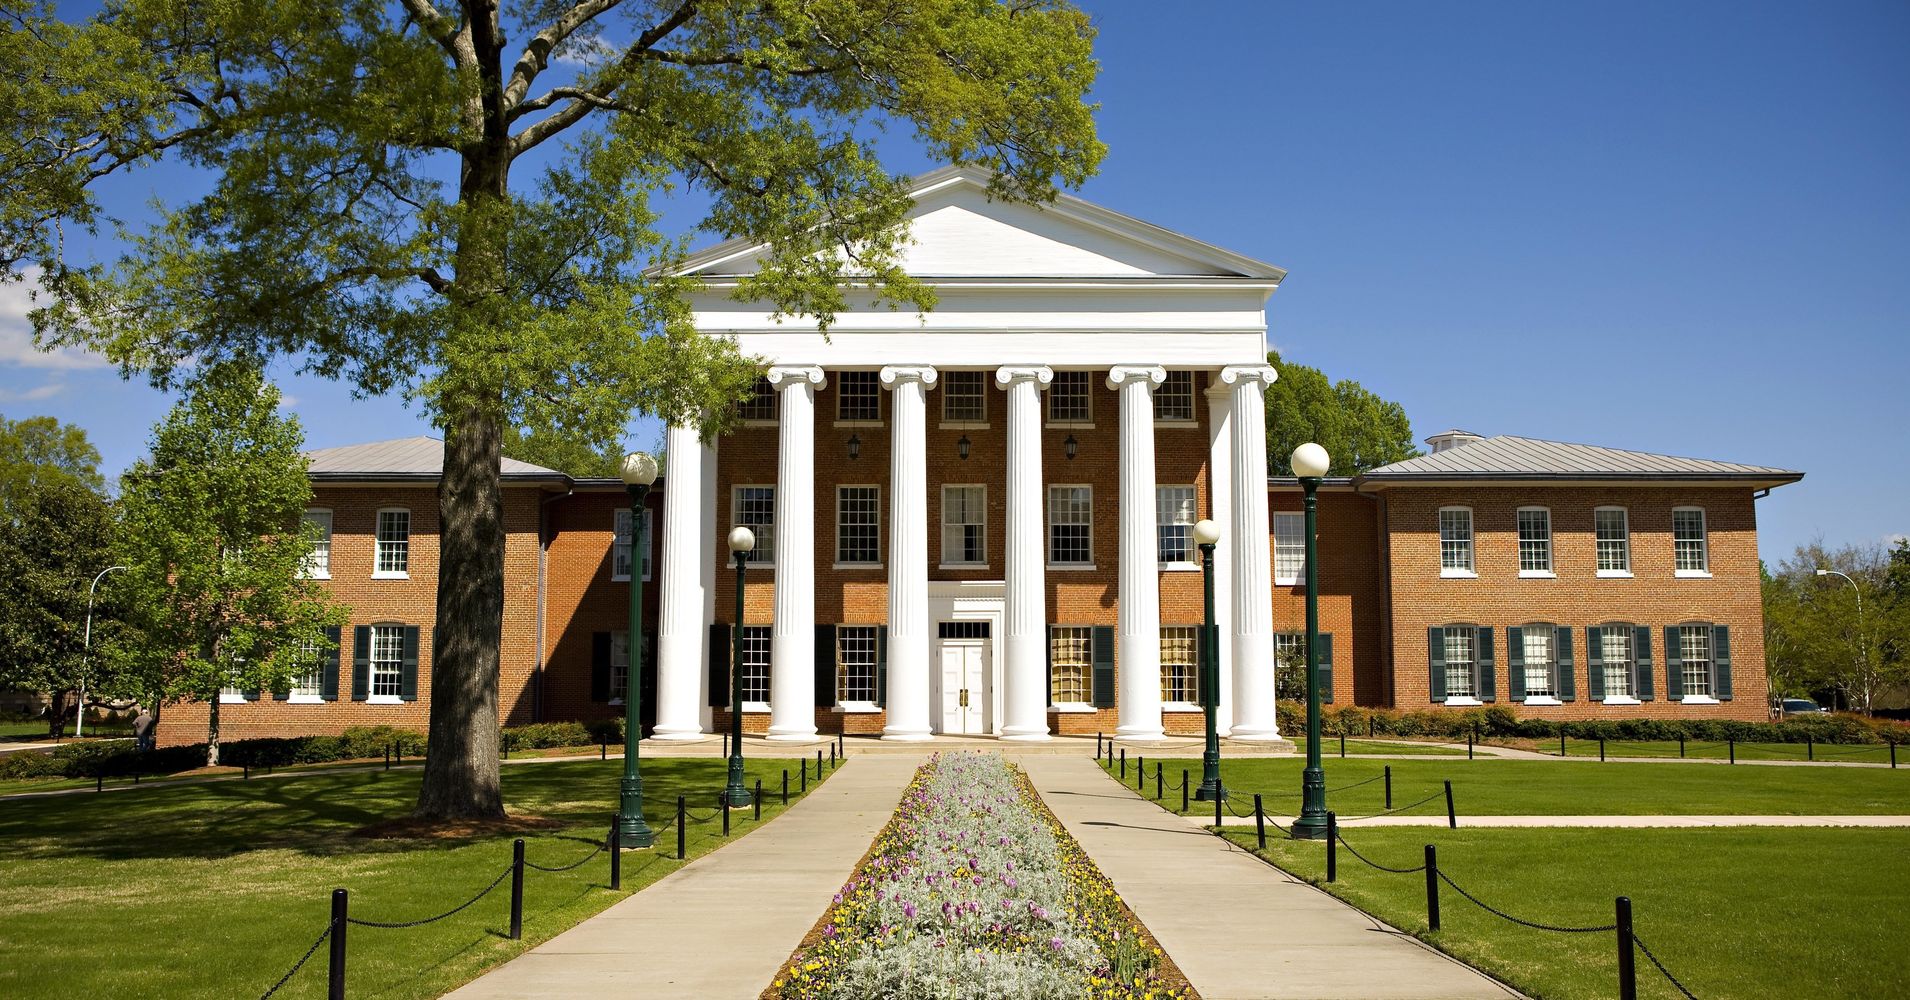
x: 792, y: 737
x: 674, y: 735
x: 1246, y: 734
x: 892, y: 735
x: 1136, y: 733
x: 1029, y: 736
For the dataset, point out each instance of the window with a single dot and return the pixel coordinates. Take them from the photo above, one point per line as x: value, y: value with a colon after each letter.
x: 232, y: 692
x: 855, y: 664
x: 1613, y: 532
x: 1070, y: 524
x: 1174, y: 398
x: 1535, y: 541
x: 1289, y: 548
x: 393, y: 550
x: 307, y: 682
x: 1180, y: 671
x: 1174, y: 517
x: 1455, y: 541
x: 1071, y: 656
x: 1687, y: 541
x: 1614, y: 647
x: 620, y: 547
x: 761, y: 402
x: 754, y: 507
x: 964, y: 397
x: 1070, y: 398
x: 1537, y: 645
x: 858, y: 396
x: 387, y: 660
x: 1694, y: 648
x: 858, y: 524
x: 619, y: 665
x: 755, y: 666
x: 318, y: 527
x: 1462, y: 642
x: 964, y: 525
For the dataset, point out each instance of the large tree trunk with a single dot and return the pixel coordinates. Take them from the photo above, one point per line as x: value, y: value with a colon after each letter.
x: 212, y: 732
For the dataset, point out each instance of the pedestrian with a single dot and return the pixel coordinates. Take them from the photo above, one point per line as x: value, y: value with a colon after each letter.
x: 143, y: 738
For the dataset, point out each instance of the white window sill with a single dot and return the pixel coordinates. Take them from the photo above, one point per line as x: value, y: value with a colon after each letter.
x: 858, y: 708
x: 963, y: 566
x: 615, y: 701
x: 384, y: 699
x: 856, y: 565
x: 757, y: 423
x: 1463, y: 700
x: 1620, y: 699
x: 1692, y: 574
x: 619, y: 578
x: 1179, y: 567
x: 730, y: 564
x: 1614, y: 574
x: 1286, y: 581
x: 1458, y: 574
x: 858, y: 423
x: 963, y: 425
x: 1542, y: 699
x: 231, y: 699
x: 305, y: 699
x: 391, y: 575
x: 1180, y: 706
x: 1537, y: 574
x: 1698, y: 699
x: 1072, y: 706
x: 1071, y: 567
x: 317, y: 576
x: 1176, y: 423
x: 1078, y: 425
x: 756, y: 706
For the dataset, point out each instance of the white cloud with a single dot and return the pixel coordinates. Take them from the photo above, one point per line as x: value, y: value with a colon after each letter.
x: 287, y: 401
x: 16, y: 333
x: 35, y: 394
x: 586, y: 52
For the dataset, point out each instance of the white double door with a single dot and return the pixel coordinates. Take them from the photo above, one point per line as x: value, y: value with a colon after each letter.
x: 965, y: 690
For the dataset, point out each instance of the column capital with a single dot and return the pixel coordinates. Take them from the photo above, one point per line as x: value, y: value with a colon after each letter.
x: 1238, y: 374
x: 891, y: 375
x: 1120, y: 375
x: 1008, y: 375
x: 778, y: 374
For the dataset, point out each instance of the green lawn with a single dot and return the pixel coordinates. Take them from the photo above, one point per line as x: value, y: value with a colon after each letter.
x: 1331, y: 748
x: 1556, y: 788
x: 1697, y: 750
x: 214, y: 890
x: 1733, y: 913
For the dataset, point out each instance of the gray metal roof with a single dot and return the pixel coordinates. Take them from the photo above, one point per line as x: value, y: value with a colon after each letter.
x: 1508, y: 457
x: 404, y: 458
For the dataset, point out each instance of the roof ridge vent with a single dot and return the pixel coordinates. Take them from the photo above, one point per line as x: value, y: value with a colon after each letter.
x: 1448, y: 440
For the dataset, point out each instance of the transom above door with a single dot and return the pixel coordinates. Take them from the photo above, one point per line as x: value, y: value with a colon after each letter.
x: 962, y: 650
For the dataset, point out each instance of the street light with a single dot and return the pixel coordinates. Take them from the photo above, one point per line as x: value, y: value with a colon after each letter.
x: 1206, y: 533
x: 639, y: 471
x: 86, y: 652
x: 741, y: 541
x: 1310, y: 463
x: 1863, y: 641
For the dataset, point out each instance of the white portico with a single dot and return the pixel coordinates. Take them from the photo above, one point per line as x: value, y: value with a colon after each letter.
x: 1033, y: 573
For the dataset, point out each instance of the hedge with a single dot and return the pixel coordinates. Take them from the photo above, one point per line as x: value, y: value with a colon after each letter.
x: 1502, y: 721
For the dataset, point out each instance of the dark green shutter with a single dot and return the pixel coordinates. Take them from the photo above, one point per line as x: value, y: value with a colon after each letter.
x: 251, y: 694
x: 1595, y: 662
x: 719, y: 665
x: 825, y: 666
x: 328, y: 675
x: 408, y: 673
x: 1488, y: 668
x: 361, y: 662
x: 1674, y: 665
x: 1515, y: 664
x: 646, y: 667
x: 1326, y: 668
x: 1436, y: 660
x: 881, y: 666
x: 600, y: 666
x: 1641, y: 655
x: 1721, y: 661
x: 1103, y: 666
x: 1048, y: 661
x: 1568, y: 684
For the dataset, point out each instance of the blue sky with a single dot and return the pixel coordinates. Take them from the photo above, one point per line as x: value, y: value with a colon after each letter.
x: 1671, y: 227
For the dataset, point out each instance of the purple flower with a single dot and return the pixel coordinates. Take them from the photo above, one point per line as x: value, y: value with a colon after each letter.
x: 1054, y: 943
x: 829, y: 932
x: 908, y: 910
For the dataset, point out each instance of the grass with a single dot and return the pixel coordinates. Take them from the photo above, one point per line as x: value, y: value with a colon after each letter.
x: 1331, y: 748
x: 1552, y: 788
x: 1732, y: 912
x: 1878, y: 753
x: 215, y: 890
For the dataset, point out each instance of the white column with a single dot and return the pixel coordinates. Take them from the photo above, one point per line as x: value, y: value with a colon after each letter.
x: 682, y: 632
x: 1024, y: 571
x: 908, y: 656
x: 712, y: 563
x: 1220, y: 497
x: 792, y: 642
x: 1137, y: 662
x: 1254, y: 717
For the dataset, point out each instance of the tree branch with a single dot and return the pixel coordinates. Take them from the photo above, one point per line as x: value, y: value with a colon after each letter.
x: 536, y: 55
x: 434, y: 24
x: 578, y: 107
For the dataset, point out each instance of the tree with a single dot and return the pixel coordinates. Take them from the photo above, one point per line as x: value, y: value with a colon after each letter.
x: 215, y: 546
x: 1357, y: 428
x: 334, y: 233
x: 1832, y: 635
x: 39, y: 450
x: 58, y: 538
x: 578, y: 458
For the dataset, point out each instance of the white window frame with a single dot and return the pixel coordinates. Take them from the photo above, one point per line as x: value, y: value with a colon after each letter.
x: 1087, y: 397
x: 1087, y: 522
x: 230, y: 695
x: 1174, y: 378
x: 301, y: 693
x: 1710, y: 660
x: 757, y: 395
x: 875, y: 512
x: 845, y: 634
x: 977, y: 422
x: 1623, y: 541
x: 1471, y: 694
x: 1704, y: 542
x: 620, y: 545
x: 1546, y: 571
x: 1471, y: 569
x: 763, y: 556
x: 386, y: 638
x: 759, y: 638
x: 843, y: 381
x: 379, y: 542
x: 318, y: 562
x: 1083, y: 637
x: 1526, y: 634
x: 980, y: 510
x: 1186, y: 497
x: 1289, y: 547
x: 1190, y: 636
x: 619, y: 671
x: 1629, y: 669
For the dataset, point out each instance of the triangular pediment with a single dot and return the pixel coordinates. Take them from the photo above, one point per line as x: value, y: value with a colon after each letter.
x: 959, y: 232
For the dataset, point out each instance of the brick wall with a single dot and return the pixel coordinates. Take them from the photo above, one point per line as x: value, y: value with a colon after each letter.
x: 1351, y: 580
x: 582, y: 598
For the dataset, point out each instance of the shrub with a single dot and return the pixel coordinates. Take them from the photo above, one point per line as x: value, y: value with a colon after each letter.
x: 540, y: 735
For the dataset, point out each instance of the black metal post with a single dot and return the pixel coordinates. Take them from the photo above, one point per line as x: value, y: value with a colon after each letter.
x: 1217, y: 815
x: 1468, y: 744
x: 603, y: 749
x: 1810, y: 747
x: 616, y: 855
x: 1681, y: 746
x: 832, y: 756
x: 1209, y: 666
x: 722, y: 807
x: 245, y: 772
x: 758, y: 801
x: 1601, y: 749
x: 1893, y: 754
x: 734, y: 794
x: 1160, y: 781
x: 1259, y: 822
x: 1732, y: 741
x: 680, y: 832
x: 1452, y: 818
x: 1312, y: 822
x: 1097, y: 746
x: 785, y: 786
x: 1342, y: 746
x: 819, y: 765
x: 1389, y: 786
x: 1140, y: 774
x: 1332, y: 846
x: 517, y: 889
x: 1123, y: 763
x: 1627, y: 969
x: 335, y: 974
x: 1561, y: 743
x: 1184, y: 783
x: 387, y: 756
x: 804, y: 771
x: 1432, y: 888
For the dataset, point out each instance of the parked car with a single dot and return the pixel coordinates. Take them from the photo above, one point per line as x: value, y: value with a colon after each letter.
x: 1799, y: 706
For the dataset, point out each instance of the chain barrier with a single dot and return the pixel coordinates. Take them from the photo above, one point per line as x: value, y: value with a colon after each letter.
x: 1680, y: 987
x: 1229, y: 802
x: 1390, y: 812
x: 1535, y: 925
x: 401, y: 924
x: 579, y: 863
x: 1370, y: 863
x: 300, y: 964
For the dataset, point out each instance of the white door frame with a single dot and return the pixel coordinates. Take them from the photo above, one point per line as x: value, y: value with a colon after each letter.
x: 969, y: 600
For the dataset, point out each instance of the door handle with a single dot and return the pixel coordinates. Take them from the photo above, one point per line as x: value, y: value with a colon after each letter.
x: 964, y: 697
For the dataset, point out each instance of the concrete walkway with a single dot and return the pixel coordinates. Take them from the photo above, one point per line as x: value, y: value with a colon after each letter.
x: 1238, y: 928
x: 1586, y: 822
x: 722, y: 925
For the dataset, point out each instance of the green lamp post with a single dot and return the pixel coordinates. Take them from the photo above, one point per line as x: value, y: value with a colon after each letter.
x: 639, y: 471
x: 1310, y: 463
x: 741, y: 541
x: 1206, y: 534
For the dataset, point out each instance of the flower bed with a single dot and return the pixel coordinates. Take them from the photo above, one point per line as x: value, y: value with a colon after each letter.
x: 973, y: 889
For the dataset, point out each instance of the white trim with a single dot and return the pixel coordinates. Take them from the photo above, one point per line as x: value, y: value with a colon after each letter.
x: 1072, y: 706
x: 1542, y: 699
x: 755, y: 706
x: 1181, y: 706
x: 304, y: 699
x: 1071, y: 567
x: 856, y: 707
x: 954, y: 567
x: 1625, y: 514
x: 391, y: 575
x: 330, y: 520
x: 1698, y: 699
x: 232, y: 699
x: 1178, y: 567
x: 963, y: 425
x: 378, y: 543
x: 384, y: 699
x: 1620, y: 699
x: 1048, y: 525
x: 1537, y: 574
x: 859, y: 423
x: 1704, y: 541
x: 1457, y: 574
x: 859, y: 563
x: 1518, y: 540
x: 855, y: 565
x: 1614, y: 574
x: 1691, y: 574
x: 756, y: 560
x: 1464, y: 700
x: 1471, y: 568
